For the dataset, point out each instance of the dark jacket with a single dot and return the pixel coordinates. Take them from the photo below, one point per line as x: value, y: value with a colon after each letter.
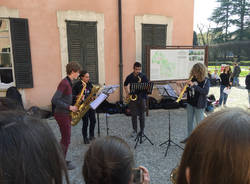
x: 236, y: 71
x: 247, y: 81
x: 225, y: 79
x: 62, y: 98
x: 200, y: 92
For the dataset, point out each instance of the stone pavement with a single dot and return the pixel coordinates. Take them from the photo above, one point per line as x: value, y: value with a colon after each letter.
x: 150, y: 156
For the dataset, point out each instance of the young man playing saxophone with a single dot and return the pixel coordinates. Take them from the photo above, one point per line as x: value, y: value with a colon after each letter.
x: 137, y: 106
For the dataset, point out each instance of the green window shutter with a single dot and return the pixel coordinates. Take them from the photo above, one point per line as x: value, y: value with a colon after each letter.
x: 21, y: 52
x: 152, y: 35
x: 82, y: 46
x: 91, y: 61
x: 74, y: 41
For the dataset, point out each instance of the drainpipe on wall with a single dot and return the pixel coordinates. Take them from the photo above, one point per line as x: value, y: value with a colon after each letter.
x: 120, y: 49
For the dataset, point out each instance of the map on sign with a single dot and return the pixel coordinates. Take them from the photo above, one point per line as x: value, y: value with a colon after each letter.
x: 173, y: 64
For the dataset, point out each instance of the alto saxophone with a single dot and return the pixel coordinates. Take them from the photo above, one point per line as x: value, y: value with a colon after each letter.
x: 183, y: 90
x: 133, y: 97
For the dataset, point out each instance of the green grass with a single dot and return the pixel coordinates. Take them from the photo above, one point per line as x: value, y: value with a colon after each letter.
x: 244, y: 70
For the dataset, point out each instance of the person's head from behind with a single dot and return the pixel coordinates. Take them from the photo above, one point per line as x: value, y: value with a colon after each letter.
x: 137, y: 68
x: 73, y: 68
x: 29, y: 152
x: 84, y: 75
x: 215, y: 71
x: 199, y: 71
x: 218, y: 150
x: 108, y: 161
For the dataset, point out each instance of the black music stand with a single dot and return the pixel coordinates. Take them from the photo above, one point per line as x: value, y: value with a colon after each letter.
x: 168, y: 91
x: 137, y: 88
x: 106, y: 91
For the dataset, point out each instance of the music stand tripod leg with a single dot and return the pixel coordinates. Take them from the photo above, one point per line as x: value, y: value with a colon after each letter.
x: 147, y: 139
x: 107, y: 124
x: 98, y: 124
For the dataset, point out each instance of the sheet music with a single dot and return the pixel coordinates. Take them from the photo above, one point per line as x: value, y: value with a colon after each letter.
x: 98, y: 101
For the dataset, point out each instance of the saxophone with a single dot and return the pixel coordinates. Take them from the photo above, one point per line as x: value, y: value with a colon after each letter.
x: 173, y: 175
x: 84, y: 106
x: 183, y: 90
x: 132, y: 97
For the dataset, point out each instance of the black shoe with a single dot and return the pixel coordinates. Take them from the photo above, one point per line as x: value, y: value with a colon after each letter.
x: 184, y: 141
x: 86, y: 140
x: 91, y: 138
x: 70, y: 166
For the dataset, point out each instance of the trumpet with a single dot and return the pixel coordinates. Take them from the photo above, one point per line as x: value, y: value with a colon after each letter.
x: 183, y: 90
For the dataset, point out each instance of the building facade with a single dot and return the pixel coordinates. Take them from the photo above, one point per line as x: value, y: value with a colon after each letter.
x: 41, y: 37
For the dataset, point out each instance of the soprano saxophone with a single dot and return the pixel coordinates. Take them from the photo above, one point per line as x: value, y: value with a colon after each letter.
x: 183, y: 90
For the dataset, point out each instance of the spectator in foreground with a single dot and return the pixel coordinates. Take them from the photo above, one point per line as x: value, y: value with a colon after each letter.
x: 247, y: 82
x: 110, y: 160
x: 29, y: 152
x: 218, y: 150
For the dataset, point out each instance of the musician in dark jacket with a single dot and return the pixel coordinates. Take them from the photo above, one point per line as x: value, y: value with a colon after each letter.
x: 137, y: 107
x: 197, y: 96
x: 90, y: 115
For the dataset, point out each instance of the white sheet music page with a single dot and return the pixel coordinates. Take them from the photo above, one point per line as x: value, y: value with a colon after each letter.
x: 98, y: 101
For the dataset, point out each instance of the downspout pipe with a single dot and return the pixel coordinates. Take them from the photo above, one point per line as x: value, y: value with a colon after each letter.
x: 120, y: 49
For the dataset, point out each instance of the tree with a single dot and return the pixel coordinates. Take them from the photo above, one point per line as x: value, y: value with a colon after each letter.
x: 222, y: 17
x: 195, y: 39
x: 242, y: 18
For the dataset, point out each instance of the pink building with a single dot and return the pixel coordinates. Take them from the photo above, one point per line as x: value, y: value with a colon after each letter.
x: 39, y: 38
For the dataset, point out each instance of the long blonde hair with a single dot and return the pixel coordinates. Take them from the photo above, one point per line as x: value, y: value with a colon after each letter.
x: 199, y: 71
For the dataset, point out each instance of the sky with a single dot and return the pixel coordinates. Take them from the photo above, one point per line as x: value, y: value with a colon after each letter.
x: 203, y: 9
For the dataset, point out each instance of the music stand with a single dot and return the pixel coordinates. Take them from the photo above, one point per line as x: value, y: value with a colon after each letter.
x: 136, y: 88
x: 106, y: 91
x: 168, y: 91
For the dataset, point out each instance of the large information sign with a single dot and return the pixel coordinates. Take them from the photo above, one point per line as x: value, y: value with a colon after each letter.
x: 174, y: 63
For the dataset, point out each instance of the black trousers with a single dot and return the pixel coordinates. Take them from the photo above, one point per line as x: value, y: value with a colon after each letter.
x: 89, y: 116
x: 137, y: 108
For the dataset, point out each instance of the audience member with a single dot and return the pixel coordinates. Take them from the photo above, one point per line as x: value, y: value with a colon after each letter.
x: 215, y: 79
x: 225, y: 83
x: 236, y: 74
x: 247, y: 82
x: 218, y: 150
x: 29, y: 152
x: 110, y: 160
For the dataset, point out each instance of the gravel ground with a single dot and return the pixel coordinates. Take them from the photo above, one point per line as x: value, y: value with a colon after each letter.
x: 150, y: 156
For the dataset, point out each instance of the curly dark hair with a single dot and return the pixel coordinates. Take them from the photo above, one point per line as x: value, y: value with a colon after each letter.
x: 108, y: 160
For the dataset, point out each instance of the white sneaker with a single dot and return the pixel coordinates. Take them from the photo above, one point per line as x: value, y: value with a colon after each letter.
x: 133, y: 134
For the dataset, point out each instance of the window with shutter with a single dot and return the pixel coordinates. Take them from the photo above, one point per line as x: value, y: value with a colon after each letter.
x: 14, y: 44
x: 82, y: 46
x: 152, y: 35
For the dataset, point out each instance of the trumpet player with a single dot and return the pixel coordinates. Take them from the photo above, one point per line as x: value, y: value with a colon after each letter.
x: 62, y: 100
x: 197, y: 91
x: 136, y: 106
x: 90, y: 115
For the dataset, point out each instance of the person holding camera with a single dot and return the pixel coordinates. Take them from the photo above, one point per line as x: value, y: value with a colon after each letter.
x: 109, y: 160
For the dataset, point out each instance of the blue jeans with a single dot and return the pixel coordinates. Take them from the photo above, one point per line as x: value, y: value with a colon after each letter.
x: 236, y: 81
x: 194, y: 114
x: 223, y: 96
